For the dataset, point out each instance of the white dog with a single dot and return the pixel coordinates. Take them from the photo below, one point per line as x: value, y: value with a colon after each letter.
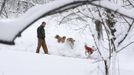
x: 70, y: 41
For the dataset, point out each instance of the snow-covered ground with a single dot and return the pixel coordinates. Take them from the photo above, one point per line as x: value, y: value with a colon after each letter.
x: 21, y: 59
x: 24, y: 63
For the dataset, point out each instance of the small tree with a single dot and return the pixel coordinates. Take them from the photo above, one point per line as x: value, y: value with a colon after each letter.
x: 109, y: 29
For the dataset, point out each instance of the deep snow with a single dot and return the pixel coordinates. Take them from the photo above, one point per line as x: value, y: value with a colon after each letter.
x: 21, y: 59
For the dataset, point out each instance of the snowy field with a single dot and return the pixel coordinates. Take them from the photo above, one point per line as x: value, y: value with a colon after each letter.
x: 21, y: 59
x: 24, y: 63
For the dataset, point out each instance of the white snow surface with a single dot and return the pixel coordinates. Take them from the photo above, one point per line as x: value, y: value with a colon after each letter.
x: 23, y: 63
x: 21, y: 58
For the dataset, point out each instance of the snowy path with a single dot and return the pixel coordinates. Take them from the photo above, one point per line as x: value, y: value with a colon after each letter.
x: 24, y: 63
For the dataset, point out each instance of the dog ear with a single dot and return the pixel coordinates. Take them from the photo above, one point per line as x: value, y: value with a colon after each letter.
x: 72, y: 39
x: 64, y: 37
x: 56, y: 36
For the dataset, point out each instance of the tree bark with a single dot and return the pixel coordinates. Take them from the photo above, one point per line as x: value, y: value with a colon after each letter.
x: 106, y: 67
x: 2, y: 7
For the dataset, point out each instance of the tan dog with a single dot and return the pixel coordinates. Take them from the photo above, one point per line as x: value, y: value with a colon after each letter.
x: 60, y: 39
x: 70, y: 41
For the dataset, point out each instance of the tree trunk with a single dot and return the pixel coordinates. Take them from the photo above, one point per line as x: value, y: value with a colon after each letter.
x: 2, y: 6
x: 106, y: 67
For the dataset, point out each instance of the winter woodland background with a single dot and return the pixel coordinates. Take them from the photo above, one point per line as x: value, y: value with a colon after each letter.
x: 105, y: 24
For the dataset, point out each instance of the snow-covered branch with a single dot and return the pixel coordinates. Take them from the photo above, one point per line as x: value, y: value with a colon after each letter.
x: 114, y: 7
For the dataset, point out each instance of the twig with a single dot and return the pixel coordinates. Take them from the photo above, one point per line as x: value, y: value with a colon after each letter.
x: 130, y: 26
x: 2, y: 6
x: 124, y: 47
x: 130, y: 3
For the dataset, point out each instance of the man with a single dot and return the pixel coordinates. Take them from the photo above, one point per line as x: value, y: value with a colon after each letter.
x: 41, y: 38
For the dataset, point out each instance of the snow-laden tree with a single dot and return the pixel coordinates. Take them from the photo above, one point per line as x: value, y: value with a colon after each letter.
x: 112, y: 32
x: 14, y: 8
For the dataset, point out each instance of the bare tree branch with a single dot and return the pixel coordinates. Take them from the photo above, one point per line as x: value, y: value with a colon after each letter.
x: 130, y: 3
x: 130, y: 26
x: 2, y: 7
x: 125, y: 47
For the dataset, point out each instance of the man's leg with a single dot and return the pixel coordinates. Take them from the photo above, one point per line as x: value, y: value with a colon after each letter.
x: 39, y: 45
x: 44, y: 47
